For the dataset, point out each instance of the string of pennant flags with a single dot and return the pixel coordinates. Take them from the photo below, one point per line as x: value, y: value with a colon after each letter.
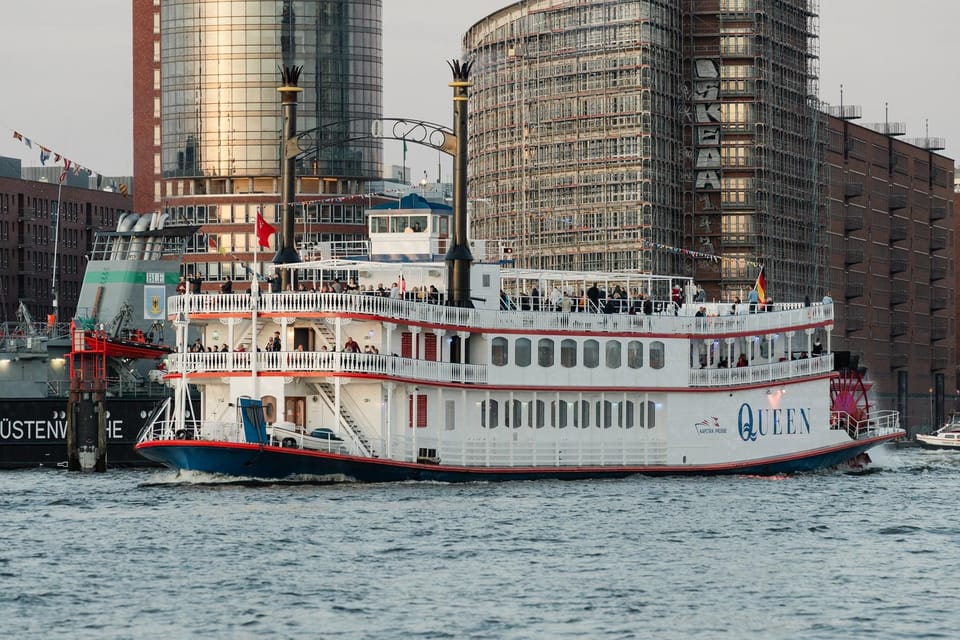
x: 692, y: 253
x: 47, y: 154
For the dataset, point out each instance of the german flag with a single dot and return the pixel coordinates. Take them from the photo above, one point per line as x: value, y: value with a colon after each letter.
x: 761, y: 287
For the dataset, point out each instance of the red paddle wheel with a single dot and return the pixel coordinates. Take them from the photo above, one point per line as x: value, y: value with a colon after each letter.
x: 849, y: 404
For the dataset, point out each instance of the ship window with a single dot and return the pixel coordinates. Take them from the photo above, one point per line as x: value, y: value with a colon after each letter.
x: 648, y: 415
x: 521, y: 350
x: 378, y: 224
x: 656, y: 354
x: 489, y: 420
x: 558, y: 413
x: 499, y: 352
x: 613, y: 354
x: 591, y: 354
x: 269, y: 409
x: 512, y: 413
x: 449, y: 415
x: 634, y: 354
x: 583, y: 414
x: 605, y: 411
x: 545, y: 352
x: 537, y: 417
x: 568, y: 353
x: 628, y: 414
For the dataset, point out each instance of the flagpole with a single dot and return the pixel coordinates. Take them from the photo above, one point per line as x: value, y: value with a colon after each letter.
x: 254, y: 303
x: 56, y: 253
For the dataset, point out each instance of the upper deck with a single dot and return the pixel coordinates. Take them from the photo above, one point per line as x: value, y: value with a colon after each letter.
x: 718, y: 322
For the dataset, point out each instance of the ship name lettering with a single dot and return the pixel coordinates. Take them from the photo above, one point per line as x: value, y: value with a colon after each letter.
x: 48, y: 429
x: 788, y: 421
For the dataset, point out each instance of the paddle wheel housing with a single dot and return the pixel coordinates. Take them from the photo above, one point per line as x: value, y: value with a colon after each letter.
x: 849, y: 402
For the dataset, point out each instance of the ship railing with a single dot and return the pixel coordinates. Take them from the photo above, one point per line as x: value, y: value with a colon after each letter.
x: 717, y: 322
x: 327, y: 362
x: 760, y: 373
x: 640, y: 449
x: 876, y: 423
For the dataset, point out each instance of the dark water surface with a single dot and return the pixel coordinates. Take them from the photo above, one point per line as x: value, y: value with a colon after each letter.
x: 145, y: 554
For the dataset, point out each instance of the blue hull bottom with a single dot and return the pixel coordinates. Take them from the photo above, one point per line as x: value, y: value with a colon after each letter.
x: 275, y: 463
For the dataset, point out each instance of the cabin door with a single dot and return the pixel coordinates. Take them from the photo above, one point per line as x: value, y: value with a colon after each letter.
x: 295, y: 410
x: 304, y: 336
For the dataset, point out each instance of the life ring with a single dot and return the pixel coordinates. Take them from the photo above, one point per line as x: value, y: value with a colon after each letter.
x: 289, y: 443
x: 181, y: 434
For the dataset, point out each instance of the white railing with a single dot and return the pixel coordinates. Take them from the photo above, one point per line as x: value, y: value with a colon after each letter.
x: 729, y: 377
x: 877, y: 423
x: 327, y: 361
x: 397, y: 310
x: 571, y: 452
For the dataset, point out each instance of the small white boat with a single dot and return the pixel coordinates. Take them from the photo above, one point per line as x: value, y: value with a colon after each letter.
x: 946, y: 437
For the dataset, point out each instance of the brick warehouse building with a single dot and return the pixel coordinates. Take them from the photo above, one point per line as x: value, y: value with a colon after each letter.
x: 27, y: 232
x: 892, y: 263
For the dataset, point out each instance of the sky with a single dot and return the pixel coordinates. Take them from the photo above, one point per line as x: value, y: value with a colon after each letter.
x: 65, y: 70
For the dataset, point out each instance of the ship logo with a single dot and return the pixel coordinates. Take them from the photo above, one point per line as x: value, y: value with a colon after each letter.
x: 709, y: 425
x: 154, y: 304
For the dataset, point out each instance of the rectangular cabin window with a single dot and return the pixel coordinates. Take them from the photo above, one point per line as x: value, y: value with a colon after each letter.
x: 421, y: 410
x: 449, y: 415
x: 406, y: 345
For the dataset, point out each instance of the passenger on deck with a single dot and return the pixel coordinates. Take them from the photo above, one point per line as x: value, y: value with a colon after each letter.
x: 742, y: 360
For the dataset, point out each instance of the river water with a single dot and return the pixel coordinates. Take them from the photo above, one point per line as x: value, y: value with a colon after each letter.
x: 147, y: 554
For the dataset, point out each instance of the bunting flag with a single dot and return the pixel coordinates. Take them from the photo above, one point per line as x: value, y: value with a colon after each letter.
x: 403, y: 284
x: 695, y: 254
x: 761, y: 287
x: 68, y: 165
x: 264, y: 231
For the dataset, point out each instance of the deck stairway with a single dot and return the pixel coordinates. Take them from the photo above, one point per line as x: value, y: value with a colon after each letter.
x: 328, y: 393
x: 323, y: 328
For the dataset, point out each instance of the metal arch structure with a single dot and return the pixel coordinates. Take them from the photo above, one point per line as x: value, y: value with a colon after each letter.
x: 308, y: 143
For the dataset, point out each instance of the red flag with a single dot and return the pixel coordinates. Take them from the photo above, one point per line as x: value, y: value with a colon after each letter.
x: 264, y: 231
x: 212, y: 242
x: 66, y: 168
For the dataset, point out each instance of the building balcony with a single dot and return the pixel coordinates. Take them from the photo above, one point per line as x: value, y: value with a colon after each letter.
x: 853, y: 254
x: 938, y: 269
x: 898, y: 329
x: 899, y: 356
x: 853, y: 290
x: 853, y: 190
x: 898, y: 265
x: 938, y: 213
x: 939, y: 328
x: 898, y: 229
x: 938, y: 239
x: 899, y: 295
x: 853, y: 324
x: 939, y: 363
x: 897, y: 201
x: 852, y: 222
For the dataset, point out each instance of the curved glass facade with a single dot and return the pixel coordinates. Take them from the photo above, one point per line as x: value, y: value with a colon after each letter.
x: 576, y: 132
x: 220, y: 110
